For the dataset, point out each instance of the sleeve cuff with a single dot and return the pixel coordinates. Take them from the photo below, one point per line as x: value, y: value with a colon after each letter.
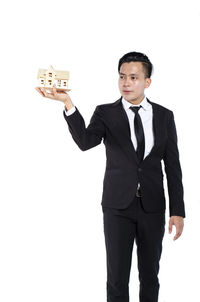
x: 70, y: 111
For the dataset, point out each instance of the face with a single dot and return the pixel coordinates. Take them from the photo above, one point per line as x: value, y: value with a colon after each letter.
x: 132, y: 82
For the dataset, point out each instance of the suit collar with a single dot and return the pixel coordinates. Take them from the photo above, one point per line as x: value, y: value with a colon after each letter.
x: 119, y: 101
x: 145, y: 105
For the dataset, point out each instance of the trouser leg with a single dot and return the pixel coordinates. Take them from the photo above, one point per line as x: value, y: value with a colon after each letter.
x: 149, y: 236
x: 119, y: 238
x: 121, y: 227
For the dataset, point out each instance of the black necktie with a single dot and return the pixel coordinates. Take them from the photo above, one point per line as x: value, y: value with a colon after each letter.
x: 139, y: 133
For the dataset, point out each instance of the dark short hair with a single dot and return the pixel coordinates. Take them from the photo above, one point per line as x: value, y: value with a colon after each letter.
x: 137, y: 57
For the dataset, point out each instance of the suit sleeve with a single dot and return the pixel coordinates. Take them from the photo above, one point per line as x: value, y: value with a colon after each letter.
x: 173, y: 171
x: 86, y: 137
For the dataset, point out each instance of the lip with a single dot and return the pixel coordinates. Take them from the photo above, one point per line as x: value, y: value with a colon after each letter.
x: 126, y: 91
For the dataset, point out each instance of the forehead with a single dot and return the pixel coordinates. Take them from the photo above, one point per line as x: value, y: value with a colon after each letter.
x: 131, y: 67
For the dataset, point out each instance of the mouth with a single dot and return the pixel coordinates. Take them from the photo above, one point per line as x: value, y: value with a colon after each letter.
x: 126, y: 91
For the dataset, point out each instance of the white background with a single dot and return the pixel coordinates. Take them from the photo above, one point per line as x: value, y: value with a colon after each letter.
x: 51, y: 223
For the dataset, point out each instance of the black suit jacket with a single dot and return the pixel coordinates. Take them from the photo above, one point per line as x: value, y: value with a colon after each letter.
x: 123, y: 171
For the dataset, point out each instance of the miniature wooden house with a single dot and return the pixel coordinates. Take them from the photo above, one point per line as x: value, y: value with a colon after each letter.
x: 47, y: 77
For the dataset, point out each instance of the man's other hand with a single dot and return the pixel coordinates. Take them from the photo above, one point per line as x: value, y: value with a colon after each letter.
x: 179, y: 223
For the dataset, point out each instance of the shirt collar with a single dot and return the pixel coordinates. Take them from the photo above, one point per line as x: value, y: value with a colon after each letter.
x: 145, y: 105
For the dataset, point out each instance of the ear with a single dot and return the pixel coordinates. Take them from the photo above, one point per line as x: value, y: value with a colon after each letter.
x: 148, y: 82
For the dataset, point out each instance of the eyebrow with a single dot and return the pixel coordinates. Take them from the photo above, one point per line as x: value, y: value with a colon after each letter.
x: 129, y: 74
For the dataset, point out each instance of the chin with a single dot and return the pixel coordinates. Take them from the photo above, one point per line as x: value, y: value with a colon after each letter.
x: 128, y: 97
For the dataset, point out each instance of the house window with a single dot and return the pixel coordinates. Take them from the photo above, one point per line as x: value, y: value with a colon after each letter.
x: 59, y: 83
x: 65, y: 84
x: 50, y: 74
x: 49, y: 82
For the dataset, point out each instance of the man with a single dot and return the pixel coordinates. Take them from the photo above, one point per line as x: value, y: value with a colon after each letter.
x: 137, y: 134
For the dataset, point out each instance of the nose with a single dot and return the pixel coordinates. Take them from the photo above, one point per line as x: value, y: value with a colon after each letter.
x: 126, y: 82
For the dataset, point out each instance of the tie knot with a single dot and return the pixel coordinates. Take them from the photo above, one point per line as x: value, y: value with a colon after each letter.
x: 135, y: 108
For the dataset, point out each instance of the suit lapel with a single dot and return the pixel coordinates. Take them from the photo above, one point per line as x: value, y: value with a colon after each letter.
x: 121, y: 121
x: 124, y: 134
x: 155, y: 127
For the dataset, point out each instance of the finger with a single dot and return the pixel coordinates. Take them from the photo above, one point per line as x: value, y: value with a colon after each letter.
x: 39, y: 90
x: 47, y: 95
x: 170, y: 227
x: 178, y: 234
x: 50, y: 90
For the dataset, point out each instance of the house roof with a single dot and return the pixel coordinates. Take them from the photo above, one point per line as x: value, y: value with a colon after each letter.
x: 59, y: 74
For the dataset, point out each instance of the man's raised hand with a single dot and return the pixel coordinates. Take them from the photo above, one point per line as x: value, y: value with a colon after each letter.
x: 55, y: 94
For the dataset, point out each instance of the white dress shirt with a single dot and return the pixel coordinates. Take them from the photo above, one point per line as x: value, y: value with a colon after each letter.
x: 146, y: 114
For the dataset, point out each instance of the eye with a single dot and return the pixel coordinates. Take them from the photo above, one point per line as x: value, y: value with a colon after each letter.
x: 134, y: 77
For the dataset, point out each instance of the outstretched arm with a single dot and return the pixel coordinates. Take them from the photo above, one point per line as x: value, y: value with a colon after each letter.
x: 85, y: 138
x: 89, y: 137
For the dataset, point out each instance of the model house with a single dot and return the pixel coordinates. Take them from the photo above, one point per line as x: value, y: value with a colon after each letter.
x: 47, y: 77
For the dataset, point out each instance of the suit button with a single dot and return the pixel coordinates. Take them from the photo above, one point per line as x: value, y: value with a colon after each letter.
x: 139, y: 169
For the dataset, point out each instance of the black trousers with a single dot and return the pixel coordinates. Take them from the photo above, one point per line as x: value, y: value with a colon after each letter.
x: 121, y: 227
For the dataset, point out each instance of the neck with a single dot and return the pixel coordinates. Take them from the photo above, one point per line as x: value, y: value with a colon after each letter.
x: 136, y: 101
